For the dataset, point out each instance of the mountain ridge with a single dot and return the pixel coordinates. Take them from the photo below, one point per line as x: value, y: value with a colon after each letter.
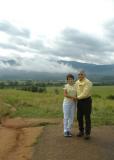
x: 97, y: 73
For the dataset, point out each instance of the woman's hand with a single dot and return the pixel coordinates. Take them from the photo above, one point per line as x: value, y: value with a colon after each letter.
x: 74, y: 98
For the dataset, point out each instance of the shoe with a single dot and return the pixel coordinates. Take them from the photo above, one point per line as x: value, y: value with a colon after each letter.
x: 80, y: 134
x: 66, y: 134
x: 69, y: 134
x: 87, y: 136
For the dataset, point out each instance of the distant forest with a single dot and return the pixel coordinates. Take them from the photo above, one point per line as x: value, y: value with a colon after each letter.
x: 38, y: 86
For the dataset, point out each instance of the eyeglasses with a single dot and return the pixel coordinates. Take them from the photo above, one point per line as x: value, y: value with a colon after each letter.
x: 80, y: 74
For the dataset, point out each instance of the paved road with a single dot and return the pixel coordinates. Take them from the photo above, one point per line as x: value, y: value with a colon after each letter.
x: 53, y: 146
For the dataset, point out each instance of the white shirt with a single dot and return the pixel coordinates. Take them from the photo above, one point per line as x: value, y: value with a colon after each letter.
x: 71, y: 91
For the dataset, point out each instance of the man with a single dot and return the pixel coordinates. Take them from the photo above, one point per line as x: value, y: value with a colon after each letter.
x: 84, y: 104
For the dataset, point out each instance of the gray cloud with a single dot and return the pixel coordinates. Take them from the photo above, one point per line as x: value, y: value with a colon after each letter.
x: 12, y: 47
x: 81, y: 42
x: 23, y: 45
x: 109, y: 29
x: 34, y: 46
x: 10, y: 62
x: 12, y: 30
x: 80, y: 46
x: 37, y: 45
x: 19, y: 41
x: 71, y: 43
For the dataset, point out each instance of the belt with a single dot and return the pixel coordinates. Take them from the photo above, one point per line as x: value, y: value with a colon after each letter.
x: 85, y: 99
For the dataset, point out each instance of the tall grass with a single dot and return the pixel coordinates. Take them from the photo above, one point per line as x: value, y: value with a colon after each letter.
x: 49, y: 104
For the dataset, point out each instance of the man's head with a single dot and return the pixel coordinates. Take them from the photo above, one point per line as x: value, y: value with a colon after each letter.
x: 81, y: 75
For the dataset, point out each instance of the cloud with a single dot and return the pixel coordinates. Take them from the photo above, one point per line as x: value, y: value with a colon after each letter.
x: 83, y: 47
x: 38, y: 45
x: 10, y: 29
x: 10, y: 46
x: 19, y: 41
x: 44, y: 65
x: 27, y: 45
x: 39, y: 55
x: 109, y: 29
x: 9, y: 62
x: 36, y: 63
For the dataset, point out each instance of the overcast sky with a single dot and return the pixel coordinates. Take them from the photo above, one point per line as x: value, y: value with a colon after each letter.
x: 35, y: 34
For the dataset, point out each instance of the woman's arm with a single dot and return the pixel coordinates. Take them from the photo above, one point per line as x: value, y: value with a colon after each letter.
x: 66, y: 95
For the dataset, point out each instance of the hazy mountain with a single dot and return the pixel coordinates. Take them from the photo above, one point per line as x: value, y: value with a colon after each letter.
x: 102, y: 73
x: 97, y: 73
x: 92, y: 68
x: 13, y: 74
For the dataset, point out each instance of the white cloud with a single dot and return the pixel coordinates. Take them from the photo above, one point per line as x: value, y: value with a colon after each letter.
x: 43, y: 65
x: 49, y: 17
x: 37, y: 33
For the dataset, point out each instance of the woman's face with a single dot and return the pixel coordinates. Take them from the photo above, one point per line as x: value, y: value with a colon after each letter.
x: 70, y: 80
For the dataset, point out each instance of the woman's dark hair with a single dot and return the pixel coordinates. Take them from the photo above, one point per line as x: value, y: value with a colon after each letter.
x: 69, y: 76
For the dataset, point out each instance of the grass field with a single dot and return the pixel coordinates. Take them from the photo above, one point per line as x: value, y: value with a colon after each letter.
x: 49, y: 104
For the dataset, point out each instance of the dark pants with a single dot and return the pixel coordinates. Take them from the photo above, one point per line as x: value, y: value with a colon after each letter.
x: 84, y: 107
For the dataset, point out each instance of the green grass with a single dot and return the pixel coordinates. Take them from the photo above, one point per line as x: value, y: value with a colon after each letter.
x: 49, y: 104
x: 30, y: 104
x: 103, y: 108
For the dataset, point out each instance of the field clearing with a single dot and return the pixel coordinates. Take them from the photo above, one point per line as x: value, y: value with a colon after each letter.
x: 16, y: 103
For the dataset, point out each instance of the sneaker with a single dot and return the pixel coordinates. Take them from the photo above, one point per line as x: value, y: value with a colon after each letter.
x: 69, y: 134
x: 80, y: 134
x: 66, y: 134
x: 87, y: 136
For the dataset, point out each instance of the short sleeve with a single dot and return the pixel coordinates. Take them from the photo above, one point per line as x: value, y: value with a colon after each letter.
x: 65, y: 87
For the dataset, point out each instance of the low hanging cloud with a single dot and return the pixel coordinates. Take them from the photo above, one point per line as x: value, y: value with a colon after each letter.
x: 44, y: 65
x: 36, y: 63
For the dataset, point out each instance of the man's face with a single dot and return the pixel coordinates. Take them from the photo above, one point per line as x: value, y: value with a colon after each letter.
x: 81, y: 76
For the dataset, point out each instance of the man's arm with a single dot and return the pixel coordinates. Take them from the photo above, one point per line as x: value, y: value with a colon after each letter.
x: 86, y: 92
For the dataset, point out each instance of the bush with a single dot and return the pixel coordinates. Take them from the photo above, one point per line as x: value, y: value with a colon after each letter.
x: 56, y: 91
x: 34, y: 88
x: 96, y: 96
x: 41, y: 89
x: 110, y: 97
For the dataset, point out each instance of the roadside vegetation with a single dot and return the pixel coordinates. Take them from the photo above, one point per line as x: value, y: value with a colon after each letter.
x: 15, y: 101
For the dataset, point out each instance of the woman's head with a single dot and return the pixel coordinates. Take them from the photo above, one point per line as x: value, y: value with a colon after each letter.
x: 70, y: 78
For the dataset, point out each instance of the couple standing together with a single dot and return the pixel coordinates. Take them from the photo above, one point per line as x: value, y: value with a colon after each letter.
x: 77, y: 95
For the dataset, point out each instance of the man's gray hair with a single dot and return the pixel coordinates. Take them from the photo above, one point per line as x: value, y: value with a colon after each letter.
x: 82, y: 72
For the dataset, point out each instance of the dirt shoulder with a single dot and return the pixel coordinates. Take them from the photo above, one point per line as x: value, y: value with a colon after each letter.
x: 19, y: 135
